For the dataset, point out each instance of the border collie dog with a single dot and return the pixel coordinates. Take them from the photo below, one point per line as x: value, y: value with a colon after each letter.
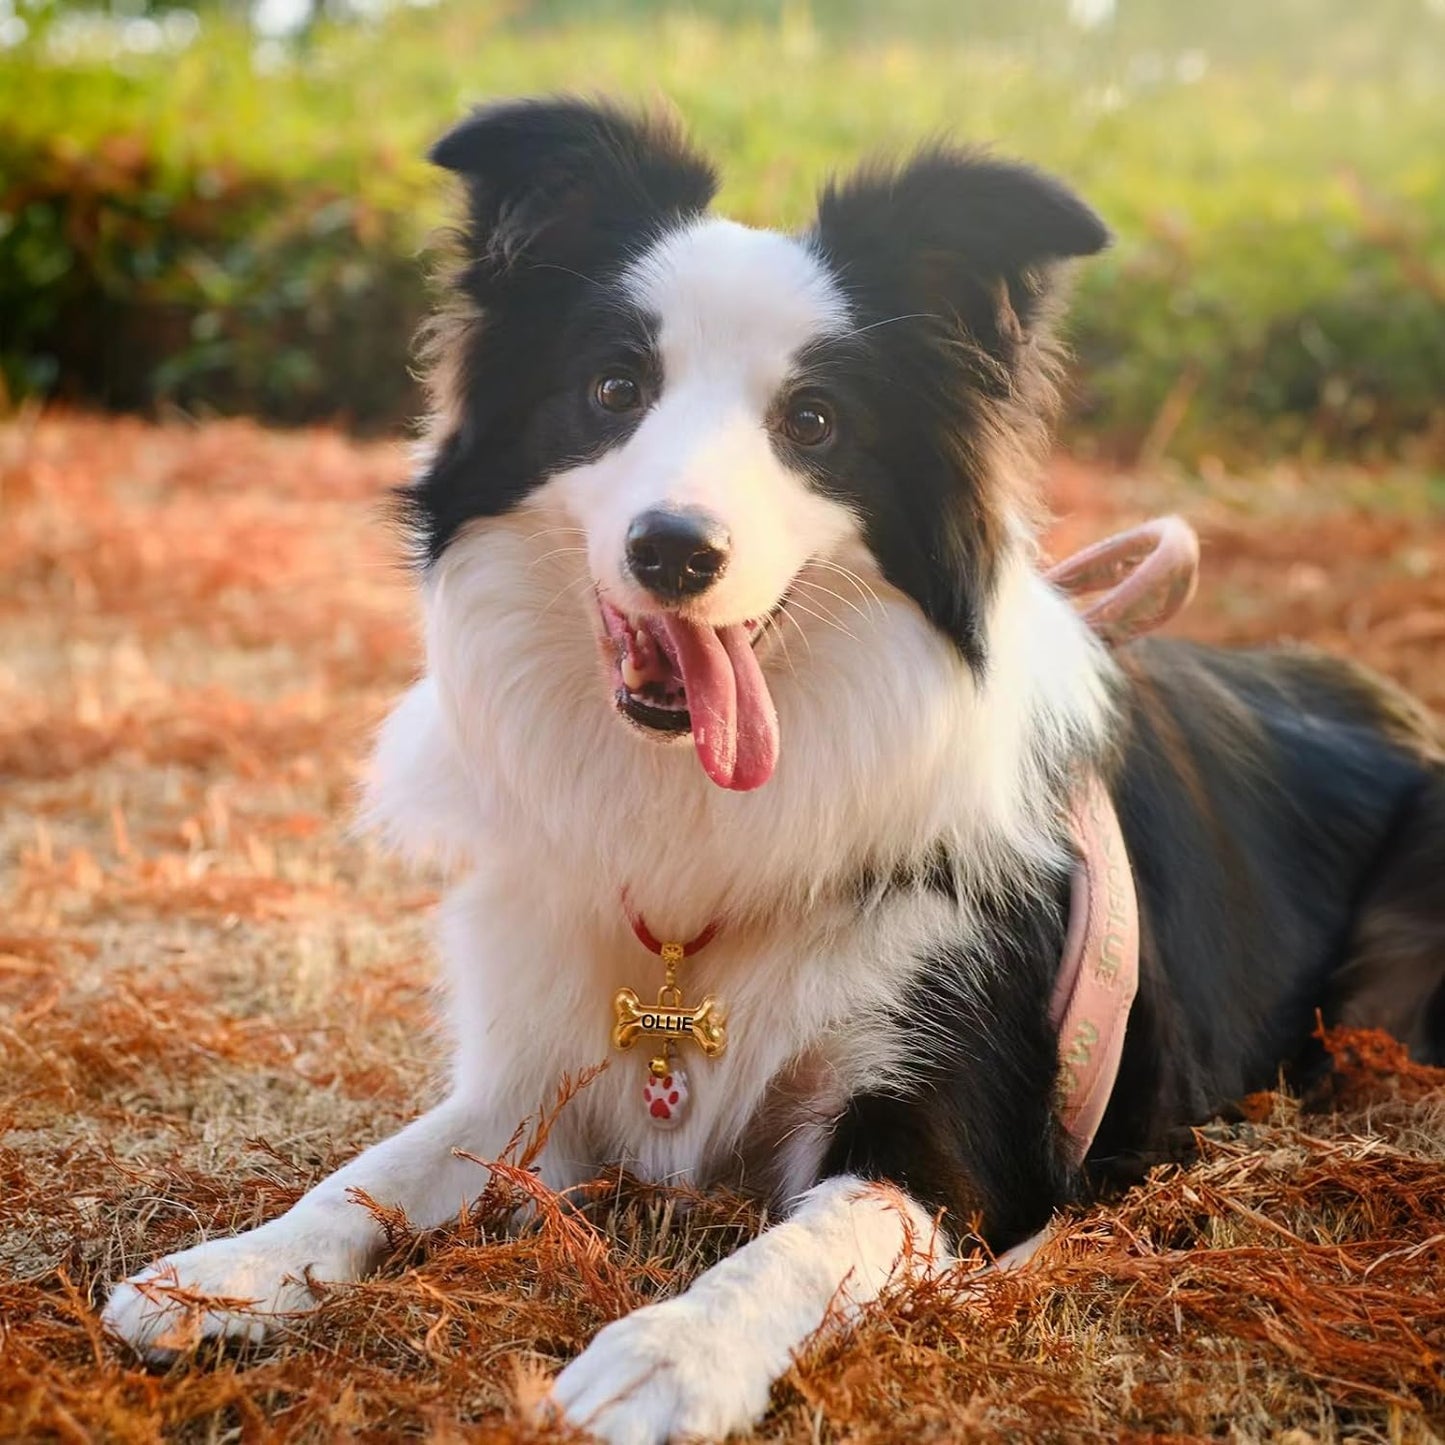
x: 736, y: 633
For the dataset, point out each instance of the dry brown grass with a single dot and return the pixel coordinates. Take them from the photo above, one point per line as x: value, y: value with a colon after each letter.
x: 210, y: 994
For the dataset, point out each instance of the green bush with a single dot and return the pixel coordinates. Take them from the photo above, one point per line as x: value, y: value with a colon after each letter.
x: 235, y: 227
x: 129, y: 283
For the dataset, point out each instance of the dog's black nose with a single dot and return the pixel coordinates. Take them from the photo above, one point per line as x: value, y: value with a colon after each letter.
x: 677, y: 554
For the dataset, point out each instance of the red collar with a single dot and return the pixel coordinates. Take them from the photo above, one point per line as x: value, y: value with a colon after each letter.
x: 653, y: 944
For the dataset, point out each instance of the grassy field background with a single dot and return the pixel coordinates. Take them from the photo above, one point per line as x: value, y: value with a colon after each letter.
x: 212, y: 992
x: 196, y: 217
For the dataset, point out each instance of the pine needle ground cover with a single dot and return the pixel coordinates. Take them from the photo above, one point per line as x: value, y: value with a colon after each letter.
x: 212, y: 992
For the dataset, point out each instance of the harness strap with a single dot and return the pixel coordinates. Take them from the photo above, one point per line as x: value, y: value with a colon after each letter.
x: 1099, y: 974
x: 1138, y: 580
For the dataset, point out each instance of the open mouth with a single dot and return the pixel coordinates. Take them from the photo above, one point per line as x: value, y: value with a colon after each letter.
x: 674, y: 676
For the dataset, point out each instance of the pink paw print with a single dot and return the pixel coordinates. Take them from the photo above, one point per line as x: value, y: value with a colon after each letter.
x: 666, y: 1098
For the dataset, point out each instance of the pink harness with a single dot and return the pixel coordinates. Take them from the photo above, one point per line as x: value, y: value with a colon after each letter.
x: 1142, y: 578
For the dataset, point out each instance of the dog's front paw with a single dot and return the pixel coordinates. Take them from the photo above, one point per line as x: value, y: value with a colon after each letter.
x: 664, y: 1373
x: 242, y: 1288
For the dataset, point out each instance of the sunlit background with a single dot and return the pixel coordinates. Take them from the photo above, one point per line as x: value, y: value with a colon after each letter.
x: 226, y: 208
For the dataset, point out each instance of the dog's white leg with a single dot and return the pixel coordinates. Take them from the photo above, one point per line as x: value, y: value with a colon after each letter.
x: 703, y: 1364
x: 255, y: 1279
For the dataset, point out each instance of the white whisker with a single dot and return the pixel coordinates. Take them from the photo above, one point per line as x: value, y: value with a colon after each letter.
x: 827, y: 621
x: 554, y: 532
x: 889, y: 320
x: 823, y: 609
x: 584, y: 581
x: 784, y: 612
x: 836, y: 596
x: 557, y: 552
x: 861, y: 585
x: 783, y: 643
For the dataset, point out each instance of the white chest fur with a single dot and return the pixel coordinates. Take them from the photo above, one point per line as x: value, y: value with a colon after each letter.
x: 532, y: 1005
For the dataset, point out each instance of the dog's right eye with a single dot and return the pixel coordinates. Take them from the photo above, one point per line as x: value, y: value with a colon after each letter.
x: 618, y: 393
x: 808, y: 424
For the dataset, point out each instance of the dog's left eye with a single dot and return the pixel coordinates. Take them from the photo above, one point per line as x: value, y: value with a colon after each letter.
x: 808, y: 423
x: 617, y: 393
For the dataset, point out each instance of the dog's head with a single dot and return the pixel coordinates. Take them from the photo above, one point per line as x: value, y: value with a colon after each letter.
x: 740, y: 424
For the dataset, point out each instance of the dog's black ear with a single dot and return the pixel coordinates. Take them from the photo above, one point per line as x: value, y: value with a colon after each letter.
x: 569, y: 183
x: 958, y: 233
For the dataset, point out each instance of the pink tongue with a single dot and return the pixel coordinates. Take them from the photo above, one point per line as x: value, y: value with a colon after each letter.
x: 734, y: 725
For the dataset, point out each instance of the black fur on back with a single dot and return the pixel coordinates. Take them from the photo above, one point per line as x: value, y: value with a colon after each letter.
x: 1272, y: 803
x: 1259, y: 794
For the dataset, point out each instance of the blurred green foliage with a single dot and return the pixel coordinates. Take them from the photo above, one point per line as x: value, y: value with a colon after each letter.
x: 126, y: 280
x: 234, y: 222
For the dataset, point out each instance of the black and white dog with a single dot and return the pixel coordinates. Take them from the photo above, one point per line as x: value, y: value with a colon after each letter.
x: 734, y: 627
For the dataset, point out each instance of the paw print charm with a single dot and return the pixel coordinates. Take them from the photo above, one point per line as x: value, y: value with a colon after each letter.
x: 666, y: 1098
